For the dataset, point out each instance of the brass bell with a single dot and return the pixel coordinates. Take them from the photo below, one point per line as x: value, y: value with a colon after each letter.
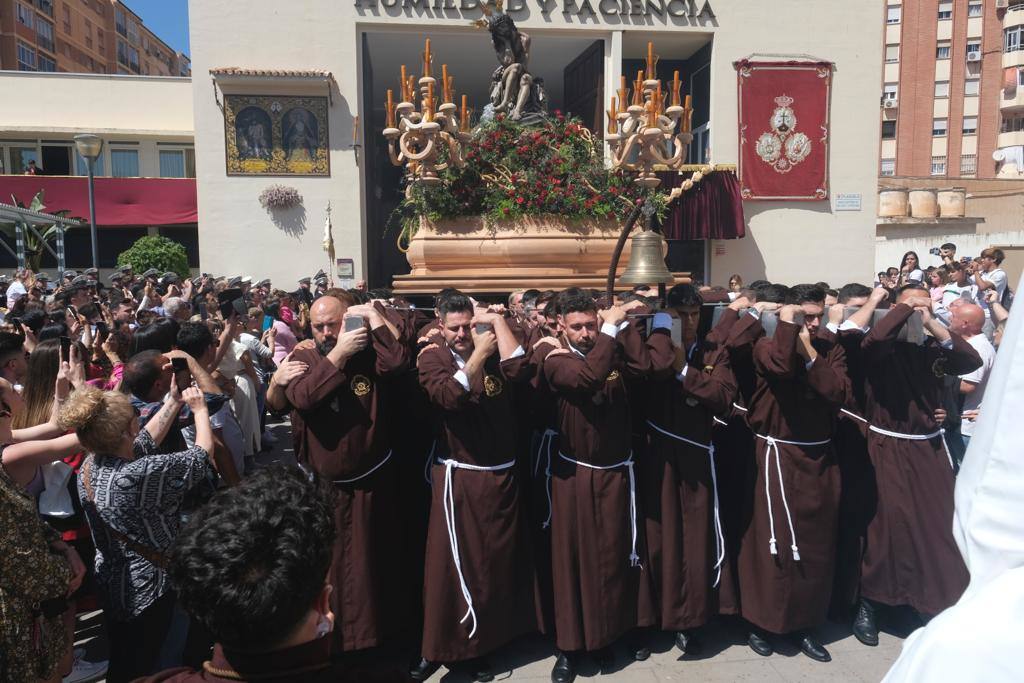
x: 647, y: 261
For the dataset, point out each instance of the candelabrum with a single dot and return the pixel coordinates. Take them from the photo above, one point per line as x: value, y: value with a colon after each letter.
x: 643, y: 133
x: 416, y: 137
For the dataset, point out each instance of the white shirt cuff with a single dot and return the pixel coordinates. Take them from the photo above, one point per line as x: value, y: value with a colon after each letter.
x: 809, y: 363
x: 754, y: 312
x: 832, y: 327
x: 662, y: 321
x: 850, y: 325
x: 948, y: 344
x: 517, y: 353
x: 462, y: 379
x: 611, y: 330
x: 682, y: 373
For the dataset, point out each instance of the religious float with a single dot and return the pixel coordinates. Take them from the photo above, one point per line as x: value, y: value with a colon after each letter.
x: 530, y: 199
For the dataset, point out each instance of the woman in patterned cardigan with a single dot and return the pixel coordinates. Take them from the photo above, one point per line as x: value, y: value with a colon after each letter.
x: 132, y: 497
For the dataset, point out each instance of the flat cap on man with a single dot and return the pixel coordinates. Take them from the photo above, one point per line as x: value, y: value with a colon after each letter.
x: 169, y: 278
x: 265, y: 282
x: 126, y: 268
x: 234, y: 282
x: 319, y: 274
x: 115, y: 277
x: 45, y: 277
x: 70, y: 274
x: 152, y: 272
x: 90, y: 271
x: 321, y: 282
x: 305, y: 281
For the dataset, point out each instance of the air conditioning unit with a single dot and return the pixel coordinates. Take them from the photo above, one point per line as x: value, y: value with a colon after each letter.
x: 1002, y: 4
x: 891, y: 104
x: 973, y: 56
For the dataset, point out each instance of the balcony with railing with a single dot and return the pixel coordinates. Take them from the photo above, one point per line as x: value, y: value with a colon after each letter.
x: 1014, y: 15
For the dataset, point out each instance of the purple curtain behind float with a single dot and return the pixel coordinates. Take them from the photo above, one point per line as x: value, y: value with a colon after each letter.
x: 711, y: 209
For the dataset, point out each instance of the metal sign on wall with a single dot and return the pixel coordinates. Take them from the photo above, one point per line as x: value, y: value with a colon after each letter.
x: 668, y: 11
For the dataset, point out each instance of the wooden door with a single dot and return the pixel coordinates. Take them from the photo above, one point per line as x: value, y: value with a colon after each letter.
x: 584, y: 87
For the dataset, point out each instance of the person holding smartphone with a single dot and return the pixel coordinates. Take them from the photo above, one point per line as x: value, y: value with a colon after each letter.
x: 341, y: 432
x: 119, y: 480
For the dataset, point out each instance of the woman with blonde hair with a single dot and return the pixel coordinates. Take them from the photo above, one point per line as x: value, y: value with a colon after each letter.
x: 132, y: 496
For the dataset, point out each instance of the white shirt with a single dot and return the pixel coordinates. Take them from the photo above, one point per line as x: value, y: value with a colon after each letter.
x: 954, y: 291
x: 15, y: 291
x: 997, y: 277
x: 916, y: 275
x: 979, y: 377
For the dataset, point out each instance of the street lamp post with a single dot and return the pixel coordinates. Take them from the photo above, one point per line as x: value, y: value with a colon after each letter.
x: 89, y: 147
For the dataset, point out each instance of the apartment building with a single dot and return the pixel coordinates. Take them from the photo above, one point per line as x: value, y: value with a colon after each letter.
x: 83, y: 36
x: 951, y: 105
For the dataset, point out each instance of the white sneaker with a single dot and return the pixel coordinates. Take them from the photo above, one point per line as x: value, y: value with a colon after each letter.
x: 82, y: 670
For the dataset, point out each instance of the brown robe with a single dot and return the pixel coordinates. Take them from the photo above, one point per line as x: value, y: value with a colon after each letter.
x: 678, y: 491
x: 780, y: 593
x: 493, y: 539
x: 734, y: 443
x: 342, y: 417
x: 599, y: 593
x: 910, y: 556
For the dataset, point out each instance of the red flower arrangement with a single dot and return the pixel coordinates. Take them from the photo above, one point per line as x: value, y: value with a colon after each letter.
x: 511, y: 171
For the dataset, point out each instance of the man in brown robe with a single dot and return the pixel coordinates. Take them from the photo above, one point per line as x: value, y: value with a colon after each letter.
x: 787, y: 555
x: 339, y: 411
x: 479, y: 581
x: 910, y: 557
x: 601, y: 589
x: 685, y: 544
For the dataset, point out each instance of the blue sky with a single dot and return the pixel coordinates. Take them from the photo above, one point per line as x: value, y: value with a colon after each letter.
x: 166, y: 18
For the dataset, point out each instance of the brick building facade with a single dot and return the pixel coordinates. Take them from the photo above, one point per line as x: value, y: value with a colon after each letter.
x: 950, y: 106
x: 83, y: 36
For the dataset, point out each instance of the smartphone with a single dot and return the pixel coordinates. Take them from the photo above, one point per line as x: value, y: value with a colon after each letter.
x: 483, y: 327
x: 240, y: 308
x: 65, y: 348
x: 101, y: 329
x: 202, y: 311
x: 72, y: 311
x: 227, y: 309
x: 268, y: 322
x: 182, y: 376
x: 354, y: 322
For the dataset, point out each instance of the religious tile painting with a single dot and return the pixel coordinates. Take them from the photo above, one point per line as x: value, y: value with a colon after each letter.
x: 276, y: 135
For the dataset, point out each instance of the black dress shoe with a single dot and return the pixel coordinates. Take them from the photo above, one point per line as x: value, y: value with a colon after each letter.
x: 423, y: 670
x: 812, y: 648
x: 604, y: 658
x: 759, y: 644
x: 564, y: 670
x: 641, y: 653
x: 479, y: 669
x: 865, y: 627
x: 688, y: 643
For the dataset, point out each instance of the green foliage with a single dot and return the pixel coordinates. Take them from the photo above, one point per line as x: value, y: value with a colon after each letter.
x: 155, y: 252
x: 34, y: 246
x: 554, y: 169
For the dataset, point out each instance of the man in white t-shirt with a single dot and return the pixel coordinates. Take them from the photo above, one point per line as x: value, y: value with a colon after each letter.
x: 17, y: 288
x: 990, y: 276
x: 967, y: 320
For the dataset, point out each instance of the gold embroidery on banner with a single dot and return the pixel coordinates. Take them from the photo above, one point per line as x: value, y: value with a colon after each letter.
x: 612, y: 376
x: 361, y: 385
x: 492, y: 386
x: 783, y: 148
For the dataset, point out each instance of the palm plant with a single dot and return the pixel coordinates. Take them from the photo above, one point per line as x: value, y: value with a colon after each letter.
x: 34, y: 246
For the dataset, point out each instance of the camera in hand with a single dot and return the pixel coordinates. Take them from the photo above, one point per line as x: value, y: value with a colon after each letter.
x: 182, y: 375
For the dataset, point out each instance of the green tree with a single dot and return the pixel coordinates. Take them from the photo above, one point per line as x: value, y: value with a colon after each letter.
x: 155, y: 252
x: 34, y: 246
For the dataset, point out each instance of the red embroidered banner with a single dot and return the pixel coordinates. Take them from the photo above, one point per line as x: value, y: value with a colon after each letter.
x: 784, y: 129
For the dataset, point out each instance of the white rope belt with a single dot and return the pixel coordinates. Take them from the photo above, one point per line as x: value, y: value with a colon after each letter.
x: 453, y: 536
x: 855, y: 416
x: 917, y: 437
x: 719, y: 536
x: 773, y: 445
x: 547, y: 439
x: 430, y: 459
x: 634, y: 559
x: 367, y: 473
x: 720, y: 421
x: 740, y: 408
